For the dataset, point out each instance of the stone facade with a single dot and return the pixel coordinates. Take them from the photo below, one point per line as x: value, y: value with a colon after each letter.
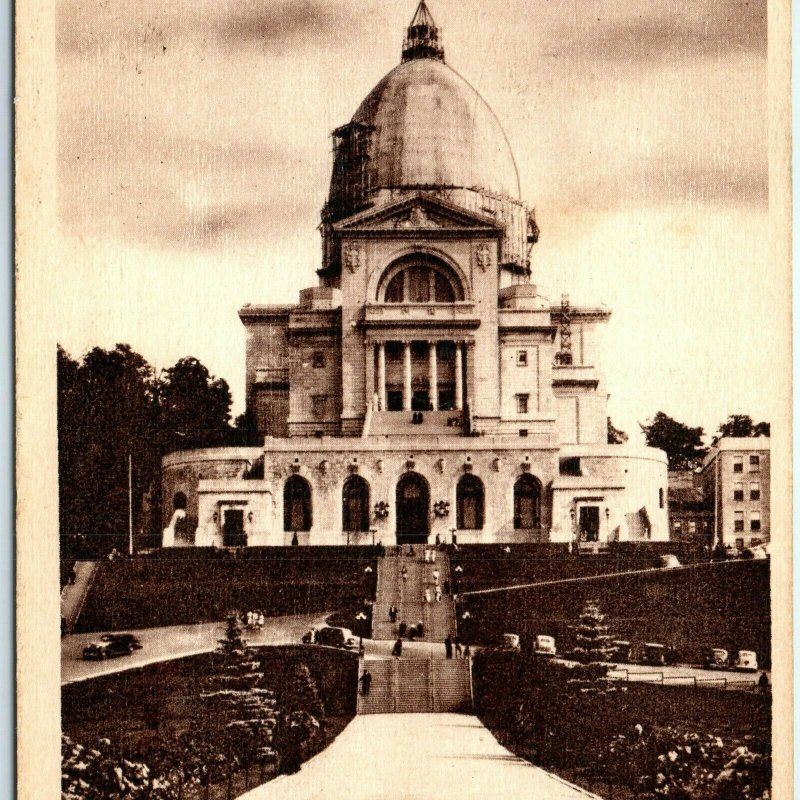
x: 425, y: 386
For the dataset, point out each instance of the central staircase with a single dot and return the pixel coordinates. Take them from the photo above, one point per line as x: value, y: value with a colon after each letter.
x: 408, y: 595
x: 417, y: 686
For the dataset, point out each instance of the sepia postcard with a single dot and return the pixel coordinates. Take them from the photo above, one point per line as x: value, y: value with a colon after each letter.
x: 403, y: 399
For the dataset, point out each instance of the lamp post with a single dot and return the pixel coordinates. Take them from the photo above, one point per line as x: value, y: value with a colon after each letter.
x: 373, y: 531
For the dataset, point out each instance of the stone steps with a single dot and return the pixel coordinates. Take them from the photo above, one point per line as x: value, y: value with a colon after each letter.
x: 416, y: 686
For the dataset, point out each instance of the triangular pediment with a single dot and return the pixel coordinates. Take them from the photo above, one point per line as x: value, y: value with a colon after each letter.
x: 419, y: 213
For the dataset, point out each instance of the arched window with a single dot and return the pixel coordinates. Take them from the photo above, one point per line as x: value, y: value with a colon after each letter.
x: 469, y: 503
x: 420, y: 279
x: 355, y: 504
x: 527, y: 502
x: 296, y: 504
x: 179, y: 501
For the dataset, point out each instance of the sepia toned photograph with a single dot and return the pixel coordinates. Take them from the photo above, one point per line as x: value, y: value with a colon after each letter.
x: 415, y: 385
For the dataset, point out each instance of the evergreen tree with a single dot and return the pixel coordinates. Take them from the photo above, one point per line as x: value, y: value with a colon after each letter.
x: 592, y: 641
x: 237, y: 687
x: 302, y: 716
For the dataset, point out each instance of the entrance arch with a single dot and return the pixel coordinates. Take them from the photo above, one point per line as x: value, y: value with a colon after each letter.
x: 412, y: 503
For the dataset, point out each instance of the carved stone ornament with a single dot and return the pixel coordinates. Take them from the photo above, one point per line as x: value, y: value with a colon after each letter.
x: 295, y: 467
x: 483, y: 256
x: 353, y: 256
x: 410, y: 464
x: 496, y: 464
x: 440, y: 465
x: 417, y: 218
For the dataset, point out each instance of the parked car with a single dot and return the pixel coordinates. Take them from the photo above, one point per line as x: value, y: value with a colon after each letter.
x: 510, y: 641
x: 717, y: 658
x: 669, y: 561
x: 622, y: 651
x: 332, y: 637
x: 544, y: 646
x: 657, y: 654
x: 746, y: 661
x: 757, y: 553
x: 111, y: 645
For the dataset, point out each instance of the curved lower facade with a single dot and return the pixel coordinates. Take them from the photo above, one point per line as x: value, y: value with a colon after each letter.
x: 349, y: 491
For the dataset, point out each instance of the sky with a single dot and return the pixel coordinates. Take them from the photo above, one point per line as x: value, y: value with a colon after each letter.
x: 194, y: 158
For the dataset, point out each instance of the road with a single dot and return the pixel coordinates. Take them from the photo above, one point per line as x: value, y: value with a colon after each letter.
x: 417, y: 756
x: 163, y: 644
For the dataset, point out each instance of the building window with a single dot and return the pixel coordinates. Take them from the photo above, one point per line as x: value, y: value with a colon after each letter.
x: 676, y: 526
x: 527, y: 502
x: 523, y: 432
x: 522, y: 358
x: 661, y: 498
x: 755, y: 491
x: 738, y: 521
x: 755, y: 520
x: 422, y: 283
x: 740, y: 544
x: 317, y: 359
x: 522, y: 403
x: 738, y: 491
x: 755, y: 463
x: 738, y: 464
x: 692, y: 526
x: 355, y: 504
x: 569, y: 466
x: 297, y: 504
x: 469, y: 503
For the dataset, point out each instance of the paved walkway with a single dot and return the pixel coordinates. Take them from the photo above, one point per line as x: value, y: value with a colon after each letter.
x: 414, y: 756
x: 73, y: 594
x: 163, y: 644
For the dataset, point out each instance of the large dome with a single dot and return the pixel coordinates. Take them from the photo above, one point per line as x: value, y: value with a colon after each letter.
x: 430, y: 128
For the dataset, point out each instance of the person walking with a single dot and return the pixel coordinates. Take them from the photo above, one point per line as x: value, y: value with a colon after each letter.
x: 401, y: 630
x: 467, y: 652
x: 420, y: 629
x: 366, y: 680
x: 427, y: 594
x: 438, y: 591
x: 448, y: 647
x: 397, y: 650
x: 404, y: 573
x: 458, y: 647
x: 436, y: 576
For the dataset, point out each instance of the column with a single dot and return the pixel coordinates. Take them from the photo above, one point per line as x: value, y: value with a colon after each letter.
x: 407, y: 376
x: 382, y: 376
x: 459, y: 369
x: 433, y: 377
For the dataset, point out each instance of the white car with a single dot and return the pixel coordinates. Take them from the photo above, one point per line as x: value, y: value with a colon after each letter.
x: 746, y: 661
x: 544, y: 646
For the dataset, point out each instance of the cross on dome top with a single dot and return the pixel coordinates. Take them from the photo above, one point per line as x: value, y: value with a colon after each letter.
x: 422, y: 37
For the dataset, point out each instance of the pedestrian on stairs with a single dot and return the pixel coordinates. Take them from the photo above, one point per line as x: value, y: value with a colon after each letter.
x: 397, y: 650
x: 392, y: 614
x: 420, y: 629
x: 404, y: 573
x: 366, y: 680
x: 438, y: 540
x: 438, y: 593
x: 401, y: 630
x: 458, y: 647
x: 436, y: 576
x: 467, y: 652
x: 448, y: 647
x: 427, y: 594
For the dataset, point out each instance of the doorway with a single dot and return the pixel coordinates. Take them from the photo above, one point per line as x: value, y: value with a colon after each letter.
x: 589, y: 521
x: 413, y: 509
x: 233, y: 534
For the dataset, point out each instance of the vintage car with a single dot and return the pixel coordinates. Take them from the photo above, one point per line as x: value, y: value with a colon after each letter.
x: 622, y: 651
x: 717, y: 658
x: 669, y: 561
x: 111, y: 645
x: 510, y: 641
x: 657, y: 654
x: 544, y: 646
x: 746, y: 661
x: 332, y: 637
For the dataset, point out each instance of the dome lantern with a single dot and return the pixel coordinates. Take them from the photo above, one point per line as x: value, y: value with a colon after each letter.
x: 422, y: 37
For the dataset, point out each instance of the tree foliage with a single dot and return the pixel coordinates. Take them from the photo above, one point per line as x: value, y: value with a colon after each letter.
x: 615, y: 435
x: 742, y: 425
x: 114, y: 411
x: 682, y: 444
x: 592, y: 640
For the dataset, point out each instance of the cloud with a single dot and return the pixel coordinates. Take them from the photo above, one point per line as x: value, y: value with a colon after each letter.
x: 678, y: 32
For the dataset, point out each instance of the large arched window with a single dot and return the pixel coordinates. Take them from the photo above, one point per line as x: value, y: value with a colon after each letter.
x: 469, y: 503
x: 355, y: 504
x: 421, y: 279
x: 527, y: 502
x: 296, y: 504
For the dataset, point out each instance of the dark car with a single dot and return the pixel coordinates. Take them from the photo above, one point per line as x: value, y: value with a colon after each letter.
x: 332, y: 637
x: 111, y: 645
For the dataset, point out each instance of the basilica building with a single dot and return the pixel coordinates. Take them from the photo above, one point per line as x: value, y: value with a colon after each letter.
x: 424, y: 387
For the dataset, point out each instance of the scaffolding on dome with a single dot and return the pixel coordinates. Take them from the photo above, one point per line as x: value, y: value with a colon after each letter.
x: 564, y: 354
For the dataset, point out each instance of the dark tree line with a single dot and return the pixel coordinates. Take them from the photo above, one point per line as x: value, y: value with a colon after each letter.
x: 684, y: 445
x: 114, y: 410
